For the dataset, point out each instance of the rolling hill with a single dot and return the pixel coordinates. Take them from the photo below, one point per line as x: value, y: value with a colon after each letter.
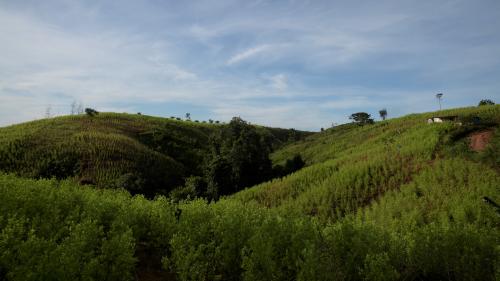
x: 400, y: 199
x: 142, y: 154
x: 350, y: 166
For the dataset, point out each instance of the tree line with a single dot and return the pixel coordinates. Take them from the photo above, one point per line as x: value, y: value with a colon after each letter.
x: 237, y: 157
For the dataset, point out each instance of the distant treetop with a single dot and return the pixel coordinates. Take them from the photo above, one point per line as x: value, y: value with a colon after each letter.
x: 383, y: 113
x: 486, y: 102
x: 91, y: 111
x: 361, y: 118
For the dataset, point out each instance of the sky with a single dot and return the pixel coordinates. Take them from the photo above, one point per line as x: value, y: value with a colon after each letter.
x: 291, y: 64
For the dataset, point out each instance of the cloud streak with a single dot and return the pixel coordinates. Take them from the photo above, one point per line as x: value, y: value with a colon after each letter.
x: 245, y: 55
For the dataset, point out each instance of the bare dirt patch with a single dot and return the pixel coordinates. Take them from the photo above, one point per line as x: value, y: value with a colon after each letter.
x: 479, y: 140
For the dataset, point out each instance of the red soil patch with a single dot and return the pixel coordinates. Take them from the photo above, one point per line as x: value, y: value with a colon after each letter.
x: 479, y: 140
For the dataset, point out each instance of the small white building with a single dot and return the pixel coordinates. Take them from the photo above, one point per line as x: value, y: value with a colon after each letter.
x: 442, y: 119
x: 434, y: 120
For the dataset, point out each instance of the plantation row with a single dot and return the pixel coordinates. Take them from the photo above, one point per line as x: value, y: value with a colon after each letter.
x: 142, y: 154
x: 107, y: 150
x: 352, y: 166
x: 435, y: 227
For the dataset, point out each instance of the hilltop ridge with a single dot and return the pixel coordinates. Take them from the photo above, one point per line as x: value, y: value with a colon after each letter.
x: 143, y: 154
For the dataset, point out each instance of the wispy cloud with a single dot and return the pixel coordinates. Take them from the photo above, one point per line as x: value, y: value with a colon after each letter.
x: 248, y: 53
x: 171, y: 70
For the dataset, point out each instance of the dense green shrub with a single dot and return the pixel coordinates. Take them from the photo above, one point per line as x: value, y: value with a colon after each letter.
x: 432, y: 229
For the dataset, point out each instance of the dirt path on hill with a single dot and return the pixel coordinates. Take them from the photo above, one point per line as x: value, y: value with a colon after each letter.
x: 479, y: 140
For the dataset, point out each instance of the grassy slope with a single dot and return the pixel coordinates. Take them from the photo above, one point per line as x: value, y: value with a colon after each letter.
x: 428, y: 221
x: 350, y: 165
x: 111, y: 149
x: 100, y: 149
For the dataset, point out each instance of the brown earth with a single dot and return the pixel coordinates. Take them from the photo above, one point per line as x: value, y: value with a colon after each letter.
x: 479, y: 140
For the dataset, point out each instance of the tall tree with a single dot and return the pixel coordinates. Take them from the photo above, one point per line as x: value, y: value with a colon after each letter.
x: 383, y: 113
x: 239, y: 157
x: 188, y: 116
x: 439, y: 96
x: 361, y: 118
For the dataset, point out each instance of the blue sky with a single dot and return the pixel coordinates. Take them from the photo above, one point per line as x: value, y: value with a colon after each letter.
x: 293, y: 64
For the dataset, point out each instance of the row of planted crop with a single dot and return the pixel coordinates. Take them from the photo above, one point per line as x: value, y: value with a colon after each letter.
x: 432, y: 228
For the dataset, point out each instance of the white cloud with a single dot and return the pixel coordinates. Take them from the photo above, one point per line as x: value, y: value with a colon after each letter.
x: 99, y: 68
x: 171, y: 70
x: 180, y: 53
x: 239, y: 57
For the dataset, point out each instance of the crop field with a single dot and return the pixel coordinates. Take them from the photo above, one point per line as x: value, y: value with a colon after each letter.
x: 396, y: 200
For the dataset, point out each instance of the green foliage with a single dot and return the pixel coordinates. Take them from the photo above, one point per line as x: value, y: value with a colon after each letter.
x: 486, y: 102
x: 361, y: 118
x: 194, y: 187
x: 50, y: 233
x: 383, y: 113
x: 350, y: 165
x: 381, y: 202
x: 292, y: 165
x: 238, y: 158
x: 140, y: 153
x: 435, y: 228
x: 91, y: 112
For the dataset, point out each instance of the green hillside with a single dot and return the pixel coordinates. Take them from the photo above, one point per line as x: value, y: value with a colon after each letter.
x: 143, y: 154
x: 349, y: 166
x: 395, y: 200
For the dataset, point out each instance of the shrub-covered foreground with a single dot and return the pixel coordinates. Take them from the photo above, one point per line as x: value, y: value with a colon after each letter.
x: 436, y: 227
